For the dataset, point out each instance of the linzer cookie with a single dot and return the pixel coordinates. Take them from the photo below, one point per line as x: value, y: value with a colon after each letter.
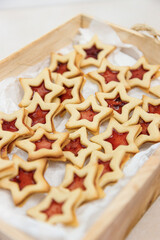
x: 118, y: 137
x: 6, y: 138
x: 6, y: 168
x: 92, y: 53
x: 84, y: 179
x: 150, y: 126
x: 109, y: 76
x: 64, y: 64
x: 15, y: 123
x: 26, y: 179
x: 43, y: 145
x: 111, y: 166
x: 121, y: 103
x: 78, y: 148
x: 57, y: 207
x: 72, y: 92
x: 42, y: 85
x: 140, y: 74
x: 88, y: 114
x: 151, y: 105
x: 40, y: 114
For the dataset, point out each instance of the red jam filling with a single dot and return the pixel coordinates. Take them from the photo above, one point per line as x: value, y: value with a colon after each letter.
x: 44, y: 142
x: 74, y: 146
x: 88, y: 114
x: 92, y: 52
x: 24, y: 178
x: 9, y: 126
x: 38, y: 116
x: 78, y: 182
x: 153, y: 109
x: 41, y: 90
x: 110, y: 75
x: 61, y: 68
x: 54, y: 208
x: 138, y: 73
x: 116, y: 103
x: 144, y: 126
x: 117, y: 139
x: 67, y: 94
x: 106, y: 166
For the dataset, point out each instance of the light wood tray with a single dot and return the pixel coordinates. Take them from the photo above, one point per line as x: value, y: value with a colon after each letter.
x: 135, y: 198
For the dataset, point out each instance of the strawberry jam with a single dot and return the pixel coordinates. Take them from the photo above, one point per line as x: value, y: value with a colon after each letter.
x: 38, y: 116
x: 24, y: 178
x: 153, y: 109
x: 61, y: 68
x: 116, y: 104
x: 54, y: 208
x: 106, y: 166
x: 92, y: 52
x: 67, y: 94
x: 88, y: 114
x: 78, y: 182
x: 110, y: 75
x: 117, y: 139
x: 74, y: 146
x: 9, y: 126
x: 144, y: 126
x: 138, y: 73
x: 41, y: 90
x: 44, y: 142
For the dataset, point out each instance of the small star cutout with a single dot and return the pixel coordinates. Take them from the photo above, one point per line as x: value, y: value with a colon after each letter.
x: 109, y: 76
x: 92, y: 53
x: 121, y: 103
x: 64, y: 64
x: 150, y: 126
x: 118, y: 137
x: 26, y: 179
x: 141, y: 74
x: 151, y: 105
x: 42, y: 85
x: 84, y: 179
x: 79, y: 147
x: 88, y: 114
x: 40, y: 114
x: 43, y: 144
x: 57, y: 207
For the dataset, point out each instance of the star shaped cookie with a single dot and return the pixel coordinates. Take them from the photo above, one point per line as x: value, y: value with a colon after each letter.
x: 140, y: 74
x: 57, y: 207
x: 64, y: 64
x: 92, y: 53
x: 88, y: 114
x: 72, y: 92
x: 42, y: 85
x: 118, y: 137
x: 151, y: 105
x: 40, y: 114
x: 121, y: 103
x: 26, y: 179
x: 84, y: 179
x: 43, y: 144
x: 78, y: 148
x: 111, y: 166
x: 150, y: 124
x: 109, y: 76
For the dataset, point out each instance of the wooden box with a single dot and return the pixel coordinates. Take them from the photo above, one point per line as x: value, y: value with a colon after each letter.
x: 135, y: 198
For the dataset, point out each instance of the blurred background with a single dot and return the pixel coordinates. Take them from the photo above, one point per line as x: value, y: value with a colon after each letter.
x: 22, y: 21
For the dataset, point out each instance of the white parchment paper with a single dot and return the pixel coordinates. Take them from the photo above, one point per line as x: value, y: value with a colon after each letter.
x: 11, y: 94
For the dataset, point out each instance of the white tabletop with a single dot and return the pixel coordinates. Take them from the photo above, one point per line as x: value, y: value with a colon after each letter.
x: 21, y: 22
